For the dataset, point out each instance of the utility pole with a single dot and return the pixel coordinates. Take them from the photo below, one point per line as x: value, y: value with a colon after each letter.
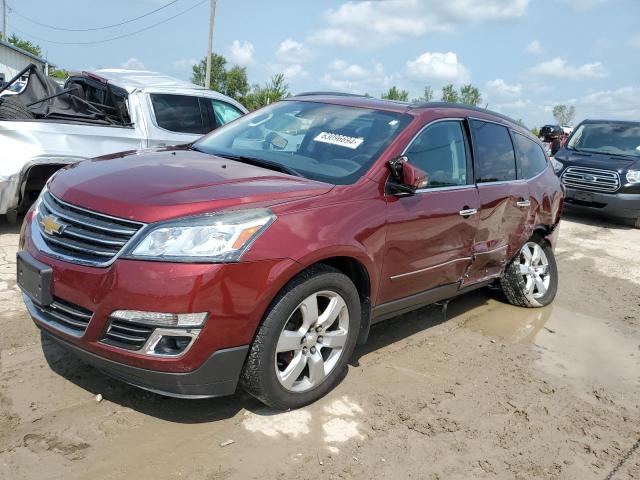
x: 212, y: 16
x: 4, y: 20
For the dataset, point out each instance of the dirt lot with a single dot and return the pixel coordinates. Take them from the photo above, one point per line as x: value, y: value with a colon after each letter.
x: 493, y: 392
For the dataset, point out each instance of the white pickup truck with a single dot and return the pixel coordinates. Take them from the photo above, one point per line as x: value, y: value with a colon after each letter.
x: 46, y: 127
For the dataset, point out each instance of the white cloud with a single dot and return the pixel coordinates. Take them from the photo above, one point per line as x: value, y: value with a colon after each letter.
x: 133, y: 64
x: 501, y: 89
x: 184, y: 64
x: 587, y: 4
x: 367, y: 23
x: 534, y: 48
x: 354, y: 78
x: 290, y: 51
x: 622, y: 103
x: 241, y: 53
x: 559, y: 68
x: 443, y: 67
x: 295, y: 71
x: 634, y: 42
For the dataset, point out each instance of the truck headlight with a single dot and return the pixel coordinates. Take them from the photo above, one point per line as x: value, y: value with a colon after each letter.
x: 214, y: 238
x: 557, y: 165
x: 633, y: 176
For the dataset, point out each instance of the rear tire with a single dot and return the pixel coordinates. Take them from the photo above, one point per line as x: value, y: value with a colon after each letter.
x: 13, y: 109
x: 531, y: 278
x: 301, y: 349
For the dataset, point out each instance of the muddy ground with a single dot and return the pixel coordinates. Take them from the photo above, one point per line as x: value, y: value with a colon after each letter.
x: 492, y: 392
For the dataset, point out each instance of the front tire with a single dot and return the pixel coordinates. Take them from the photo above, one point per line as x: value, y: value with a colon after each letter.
x: 305, y: 341
x: 531, y: 278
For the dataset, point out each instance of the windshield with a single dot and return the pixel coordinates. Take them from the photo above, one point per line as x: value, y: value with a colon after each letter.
x: 329, y: 143
x: 611, y: 138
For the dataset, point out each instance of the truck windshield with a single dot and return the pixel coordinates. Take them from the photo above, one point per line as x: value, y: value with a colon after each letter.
x: 329, y: 143
x: 607, y: 137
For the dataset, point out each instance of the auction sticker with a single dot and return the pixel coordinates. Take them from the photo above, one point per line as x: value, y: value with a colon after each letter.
x: 341, y: 140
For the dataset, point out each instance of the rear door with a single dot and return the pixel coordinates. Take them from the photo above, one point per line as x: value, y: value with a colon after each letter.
x: 504, y: 200
x: 430, y: 234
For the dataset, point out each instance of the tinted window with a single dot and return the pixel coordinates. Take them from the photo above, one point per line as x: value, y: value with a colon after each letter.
x: 177, y: 113
x: 330, y: 143
x: 531, y: 159
x: 607, y: 137
x: 440, y: 151
x: 495, y: 160
x: 224, y: 112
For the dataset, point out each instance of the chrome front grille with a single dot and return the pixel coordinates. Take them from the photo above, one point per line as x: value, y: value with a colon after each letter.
x: 129, y: 335
x: 591, y: 179
x: 82, y: 235
x: 66, y: 316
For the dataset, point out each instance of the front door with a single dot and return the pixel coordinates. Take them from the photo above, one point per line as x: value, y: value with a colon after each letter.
x: 430, y: 234
x: 504, y: 200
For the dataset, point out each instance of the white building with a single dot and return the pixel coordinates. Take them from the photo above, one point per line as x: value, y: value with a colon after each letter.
x: 14, y: 59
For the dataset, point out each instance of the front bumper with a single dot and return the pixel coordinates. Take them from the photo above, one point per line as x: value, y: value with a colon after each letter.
x: 216, y: 377
x: 621, y: 205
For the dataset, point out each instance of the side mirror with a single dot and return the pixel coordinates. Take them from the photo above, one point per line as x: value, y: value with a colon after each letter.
x: 407, y: 178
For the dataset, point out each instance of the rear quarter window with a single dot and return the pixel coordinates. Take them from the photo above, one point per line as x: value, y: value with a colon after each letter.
x: 178, y: 113
x: 494, y: 155
x: 531, y: 158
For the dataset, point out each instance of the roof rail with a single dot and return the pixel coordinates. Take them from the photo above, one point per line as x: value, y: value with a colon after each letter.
x: 461, y: 105
x: 335, y: 94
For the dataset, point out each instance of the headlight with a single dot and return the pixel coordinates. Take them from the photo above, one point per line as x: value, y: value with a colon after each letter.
x: 208, y: 238
x: 557, y: 165
x: 633, y: 176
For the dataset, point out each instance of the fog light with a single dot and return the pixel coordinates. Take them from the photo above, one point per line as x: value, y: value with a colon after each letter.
x: 158, y: 319
x: 170, y: 342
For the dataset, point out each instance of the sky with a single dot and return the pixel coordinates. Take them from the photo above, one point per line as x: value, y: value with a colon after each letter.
x: 525, y: 56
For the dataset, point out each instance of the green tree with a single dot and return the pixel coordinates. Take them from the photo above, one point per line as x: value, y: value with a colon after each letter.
x: 535, y: 131
x: 395, y: 94
x: 426, y: 97
x: 25, y: 45
x: 229, y: 81
x: 449, y: 94
x: 236, y: 83
x: 470, y: 95
x: 564, y: 114
x: 61, y: 73
x: 274, y: 90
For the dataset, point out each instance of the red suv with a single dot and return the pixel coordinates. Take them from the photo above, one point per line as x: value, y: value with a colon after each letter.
x: 264, y: 252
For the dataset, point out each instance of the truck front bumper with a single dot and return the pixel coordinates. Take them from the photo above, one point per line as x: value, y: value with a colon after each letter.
x: 621, y: 205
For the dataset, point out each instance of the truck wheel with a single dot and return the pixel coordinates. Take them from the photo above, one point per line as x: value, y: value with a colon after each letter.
x: 531, y: 279
x: 13, y: 109
x: 302, y: 347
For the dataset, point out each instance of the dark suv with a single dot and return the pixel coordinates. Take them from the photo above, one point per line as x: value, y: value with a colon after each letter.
x: 600, y: 168
x: 265, y: 251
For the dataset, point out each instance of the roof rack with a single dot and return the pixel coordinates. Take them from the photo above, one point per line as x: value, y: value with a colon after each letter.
x: 461, y: 105
x: 335, y: 94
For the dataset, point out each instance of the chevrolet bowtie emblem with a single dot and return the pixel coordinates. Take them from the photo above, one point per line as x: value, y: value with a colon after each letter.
x: 50, y: 225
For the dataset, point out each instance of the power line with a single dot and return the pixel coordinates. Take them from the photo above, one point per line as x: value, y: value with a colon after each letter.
x: 93, y: 42
x: 105, y: 27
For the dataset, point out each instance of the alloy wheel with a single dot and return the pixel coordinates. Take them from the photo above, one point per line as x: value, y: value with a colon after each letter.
x: 534, y: 268
x: 312, y: 341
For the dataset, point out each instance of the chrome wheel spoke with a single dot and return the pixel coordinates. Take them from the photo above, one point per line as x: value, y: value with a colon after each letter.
x: 540, y: 284
x: 524, y: 269
x: 535, y: 258
x: 529, y: 285
x: 316, y: 368
x: 289, y: 341
x: 526, y: 253
x: 309, y: 310
x: 293, y: 370
x: 334, y: 339
x: 331, y: 313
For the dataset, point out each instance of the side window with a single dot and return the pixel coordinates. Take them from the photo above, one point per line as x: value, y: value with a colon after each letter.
x: 224, y: 112
x: 177, y: 113
x: 440, y: 151
x: 495, y: 160
x: 531, y: 159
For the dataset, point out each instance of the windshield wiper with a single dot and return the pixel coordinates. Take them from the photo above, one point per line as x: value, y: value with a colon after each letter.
x: 260, y: 162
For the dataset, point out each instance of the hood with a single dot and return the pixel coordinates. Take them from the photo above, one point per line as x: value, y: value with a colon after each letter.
x: 596, y: 160
x: 170, y: 183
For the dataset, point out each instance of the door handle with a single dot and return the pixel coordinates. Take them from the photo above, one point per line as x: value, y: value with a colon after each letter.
x: 465, y: 212
x: 523, y: 203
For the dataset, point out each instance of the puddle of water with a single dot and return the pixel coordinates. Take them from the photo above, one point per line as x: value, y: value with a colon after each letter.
x: 571, y: 344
